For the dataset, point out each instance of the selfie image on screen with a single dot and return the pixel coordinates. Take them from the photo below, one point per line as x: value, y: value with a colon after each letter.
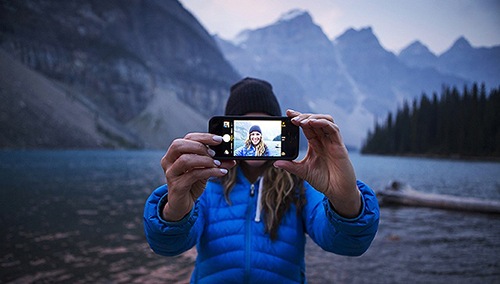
x: 257, y: 138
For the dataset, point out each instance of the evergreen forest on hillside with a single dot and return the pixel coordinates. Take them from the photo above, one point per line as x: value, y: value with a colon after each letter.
x: 464, y: 124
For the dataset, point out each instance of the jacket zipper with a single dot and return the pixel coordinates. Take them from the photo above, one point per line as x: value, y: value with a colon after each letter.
x: 248, y: 233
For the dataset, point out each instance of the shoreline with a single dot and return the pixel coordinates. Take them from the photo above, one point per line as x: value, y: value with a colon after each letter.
x: 440, y: 157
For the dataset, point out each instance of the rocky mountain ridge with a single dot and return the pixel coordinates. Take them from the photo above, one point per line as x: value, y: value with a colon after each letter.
x: 351, y: 77
x: 123, y: 58
x: 141, y: 73
x: 478, y: 64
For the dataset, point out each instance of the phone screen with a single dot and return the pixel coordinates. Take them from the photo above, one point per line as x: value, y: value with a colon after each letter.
x: 255, y: 138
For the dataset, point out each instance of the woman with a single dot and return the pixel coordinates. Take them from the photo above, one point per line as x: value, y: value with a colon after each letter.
x: 249, y: 220
x: 254, y: 144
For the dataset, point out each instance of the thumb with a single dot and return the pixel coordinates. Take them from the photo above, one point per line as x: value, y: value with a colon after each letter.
x: 292, y: 167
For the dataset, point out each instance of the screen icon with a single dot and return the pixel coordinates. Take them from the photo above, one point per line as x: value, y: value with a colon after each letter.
x: 226, y: 124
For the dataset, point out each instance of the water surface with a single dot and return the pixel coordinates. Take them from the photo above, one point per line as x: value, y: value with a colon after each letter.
x: 76, y: 217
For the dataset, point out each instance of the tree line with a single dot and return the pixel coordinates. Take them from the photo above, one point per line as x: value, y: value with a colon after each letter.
x: 456, y: 123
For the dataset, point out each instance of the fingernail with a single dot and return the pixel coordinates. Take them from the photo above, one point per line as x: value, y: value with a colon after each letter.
x: 291, y: 110
x: 211, y: 152
x: 312, y: 119
x: 217, y: 138
x: 274, y: 164
x: 224, y: 171
x: 217, y: 162
x: 295, y: 118
x: 304, y: 121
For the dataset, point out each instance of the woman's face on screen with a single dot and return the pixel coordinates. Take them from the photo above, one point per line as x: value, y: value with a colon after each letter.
x: 255, y: 163
x: 255, y: 137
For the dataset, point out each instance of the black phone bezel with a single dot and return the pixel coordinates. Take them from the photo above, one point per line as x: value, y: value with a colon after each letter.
x: 215, y: 126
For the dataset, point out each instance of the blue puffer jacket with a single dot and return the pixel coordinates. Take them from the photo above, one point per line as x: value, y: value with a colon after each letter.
x: 232, y: 246
x: 243, y: 151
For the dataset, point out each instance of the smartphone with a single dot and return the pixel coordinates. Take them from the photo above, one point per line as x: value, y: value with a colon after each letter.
x: 255, y: 138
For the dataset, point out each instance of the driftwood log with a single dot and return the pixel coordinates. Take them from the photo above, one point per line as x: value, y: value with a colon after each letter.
x: 400, y: 193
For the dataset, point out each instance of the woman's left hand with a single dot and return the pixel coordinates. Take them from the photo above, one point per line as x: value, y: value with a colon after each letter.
x: 326, y: 166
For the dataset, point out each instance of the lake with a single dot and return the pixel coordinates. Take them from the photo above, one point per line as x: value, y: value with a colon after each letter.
x: 76, y: 217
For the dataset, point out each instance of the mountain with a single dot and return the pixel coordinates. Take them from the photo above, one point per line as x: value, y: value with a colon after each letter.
x: 476, y: 64
x: 418, y: 55
x: 353, y: 77
x: 37, y: 112
x: 384, y: 79
x: 296, y: 56
x: 461, y: 59
x: 135, y: 61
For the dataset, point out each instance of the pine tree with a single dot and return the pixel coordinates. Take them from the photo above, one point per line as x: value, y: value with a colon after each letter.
x: 466, y: 124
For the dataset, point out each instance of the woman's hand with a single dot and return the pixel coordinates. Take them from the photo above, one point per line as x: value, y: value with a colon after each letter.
x: 188, y: 164
x: 326, y: 165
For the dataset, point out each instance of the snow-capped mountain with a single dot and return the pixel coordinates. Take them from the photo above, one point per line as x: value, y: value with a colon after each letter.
x: 352, y: 77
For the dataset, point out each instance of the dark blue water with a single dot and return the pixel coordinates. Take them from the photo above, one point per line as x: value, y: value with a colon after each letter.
x: 76, y: 217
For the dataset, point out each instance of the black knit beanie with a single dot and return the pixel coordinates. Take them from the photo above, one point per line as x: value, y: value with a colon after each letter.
x: 252, y: 95
x: 255, y: 128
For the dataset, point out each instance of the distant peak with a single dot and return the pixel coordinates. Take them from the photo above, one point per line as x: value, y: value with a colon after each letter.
x: 363, y: 34
x: 293, y: 14
x: 366, y: 30
x: 363, y: 31
x: 417, y: 46
x: 241, y: 37
x: 462, y: 43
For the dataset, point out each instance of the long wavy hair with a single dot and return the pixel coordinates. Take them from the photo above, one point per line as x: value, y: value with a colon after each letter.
x: 280, y: 190
x: 260, y: 149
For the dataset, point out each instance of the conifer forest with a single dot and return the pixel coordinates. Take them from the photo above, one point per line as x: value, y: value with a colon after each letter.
x: 457, y: 123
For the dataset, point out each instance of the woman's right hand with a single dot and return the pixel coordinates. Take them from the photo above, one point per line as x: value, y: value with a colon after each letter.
x: 188, y: 164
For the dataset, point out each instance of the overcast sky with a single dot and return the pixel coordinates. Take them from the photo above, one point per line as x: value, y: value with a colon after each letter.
x: 396, y: 23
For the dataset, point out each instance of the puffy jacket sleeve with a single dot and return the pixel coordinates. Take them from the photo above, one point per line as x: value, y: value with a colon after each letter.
x: 335, y: 233
x: 171, y: 238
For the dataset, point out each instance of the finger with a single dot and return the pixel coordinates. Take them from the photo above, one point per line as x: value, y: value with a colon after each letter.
x: 323, y: 127
x: 195, y: 175
x: 205, y: 138
x: 309, y: 133
x: 292, y: 113
x: 293, y: 167
x: 184, y: 146
x: 188, y: 162
x: 297, y: 120
x: 227, y: 164
x: 315, y: 131
x: 302, y: 121
x: 322, y: 116
x: 306, y: 124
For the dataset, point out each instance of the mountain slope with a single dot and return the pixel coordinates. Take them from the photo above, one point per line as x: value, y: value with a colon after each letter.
x: 37, y: 113
x: 418, y: 55
x: 382, y: 75
x: 353, y: 78
x: 477, y: 64
x: 121, y: 56
x: 300, y: 61
x: 297, y: 48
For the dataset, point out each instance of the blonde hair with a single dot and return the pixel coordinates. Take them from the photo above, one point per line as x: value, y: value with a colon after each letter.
x: 260, y: 149
x: 280, y: 190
